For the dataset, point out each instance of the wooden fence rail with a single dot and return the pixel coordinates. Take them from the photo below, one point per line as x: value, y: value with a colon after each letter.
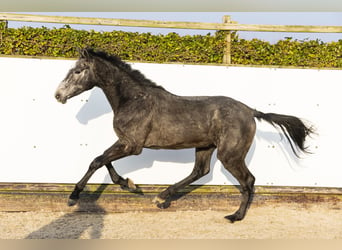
x: 232, y: 26
x: 227, y: 25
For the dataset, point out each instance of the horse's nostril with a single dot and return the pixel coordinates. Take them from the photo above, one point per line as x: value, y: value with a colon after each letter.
x: 57, y: 96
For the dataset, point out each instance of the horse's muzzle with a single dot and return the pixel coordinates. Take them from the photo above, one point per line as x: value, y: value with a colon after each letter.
x: 60, y: 99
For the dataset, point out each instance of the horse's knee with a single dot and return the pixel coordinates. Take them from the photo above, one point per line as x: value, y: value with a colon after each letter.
x: 96, y: 163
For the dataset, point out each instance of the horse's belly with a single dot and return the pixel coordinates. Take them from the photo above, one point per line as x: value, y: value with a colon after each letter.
x: 178, y: 138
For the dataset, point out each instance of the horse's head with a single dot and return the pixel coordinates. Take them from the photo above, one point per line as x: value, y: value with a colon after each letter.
x: 79, y: 79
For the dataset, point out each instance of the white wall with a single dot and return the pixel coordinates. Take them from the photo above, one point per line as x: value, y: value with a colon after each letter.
x: 45, y: 141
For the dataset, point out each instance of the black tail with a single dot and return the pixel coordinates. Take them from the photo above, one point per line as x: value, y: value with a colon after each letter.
x: 291, y: 126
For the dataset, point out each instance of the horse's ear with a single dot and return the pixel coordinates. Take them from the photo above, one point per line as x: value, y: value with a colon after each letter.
x: 83, y: 53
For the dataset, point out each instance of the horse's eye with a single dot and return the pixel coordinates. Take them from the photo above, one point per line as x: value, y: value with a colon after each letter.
x: 77, y: 71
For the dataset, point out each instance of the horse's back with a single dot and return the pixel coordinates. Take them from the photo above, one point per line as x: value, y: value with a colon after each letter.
x: 196, y: 121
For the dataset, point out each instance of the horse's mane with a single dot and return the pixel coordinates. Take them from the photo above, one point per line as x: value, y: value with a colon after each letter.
x: 116, y: 61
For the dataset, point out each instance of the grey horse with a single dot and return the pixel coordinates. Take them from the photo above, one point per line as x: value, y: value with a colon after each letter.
x: 148, y: 116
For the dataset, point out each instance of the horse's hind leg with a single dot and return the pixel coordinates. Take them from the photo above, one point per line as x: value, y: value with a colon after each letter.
x: 201, y: 168
x: 232, y: 155
x: 231, y: 151
x: 239, y: 170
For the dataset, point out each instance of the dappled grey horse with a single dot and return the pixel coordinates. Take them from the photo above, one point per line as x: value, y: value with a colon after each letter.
x: 148, y: 116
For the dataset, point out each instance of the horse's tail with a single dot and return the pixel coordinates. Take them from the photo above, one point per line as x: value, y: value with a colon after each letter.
x: 292, y: 127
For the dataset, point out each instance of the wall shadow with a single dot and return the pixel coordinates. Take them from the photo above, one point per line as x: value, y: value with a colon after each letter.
x: 148, y: 157
x: 73, y: 225
x: 279, y: 140
x: 95, y: 106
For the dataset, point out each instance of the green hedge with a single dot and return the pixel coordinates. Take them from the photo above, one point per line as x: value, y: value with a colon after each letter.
x: 63, y: 42
x: 288, y: 52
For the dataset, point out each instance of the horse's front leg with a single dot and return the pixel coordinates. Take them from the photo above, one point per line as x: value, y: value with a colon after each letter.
x: 115, y: 152
x: 117, y: 179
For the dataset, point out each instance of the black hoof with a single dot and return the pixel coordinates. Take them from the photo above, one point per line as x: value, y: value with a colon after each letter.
x: 72, y: 202
x: 164, y: 205
x: 234, y: 217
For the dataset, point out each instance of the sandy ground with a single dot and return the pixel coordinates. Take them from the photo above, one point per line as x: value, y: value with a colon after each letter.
x: 265, y: 222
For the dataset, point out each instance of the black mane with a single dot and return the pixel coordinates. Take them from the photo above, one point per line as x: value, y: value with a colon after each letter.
x: 116, y: 61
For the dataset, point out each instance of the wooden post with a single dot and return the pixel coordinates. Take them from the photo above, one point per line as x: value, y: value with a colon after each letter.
x: 227, y: 51
x: 3, y: 24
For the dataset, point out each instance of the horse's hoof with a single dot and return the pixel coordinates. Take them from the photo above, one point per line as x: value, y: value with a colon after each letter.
x: 131, y: 185
x: 161, y: 203
x: 72, y: 202
x: 232, y: 218
x: 157, y: 200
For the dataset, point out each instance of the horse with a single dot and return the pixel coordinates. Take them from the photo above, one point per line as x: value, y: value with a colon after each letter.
x: 148, y: 116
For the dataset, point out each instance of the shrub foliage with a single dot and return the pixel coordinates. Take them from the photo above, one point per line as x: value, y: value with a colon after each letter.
x: 64, y: 42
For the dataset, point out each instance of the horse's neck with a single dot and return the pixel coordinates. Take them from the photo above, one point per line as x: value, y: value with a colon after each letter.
x: 121, y: 87
x: 111, y: 97
x: 124, y: 89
